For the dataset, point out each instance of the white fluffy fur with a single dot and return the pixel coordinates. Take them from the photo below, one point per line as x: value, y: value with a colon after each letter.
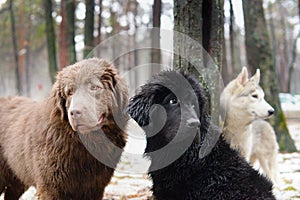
x: 245, y: 108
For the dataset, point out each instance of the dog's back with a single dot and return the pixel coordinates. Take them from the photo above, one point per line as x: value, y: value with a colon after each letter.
x: 265, y: 148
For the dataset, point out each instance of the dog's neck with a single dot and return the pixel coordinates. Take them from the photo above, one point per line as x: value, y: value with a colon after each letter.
x: 237, y: 122
x: 236, y: 128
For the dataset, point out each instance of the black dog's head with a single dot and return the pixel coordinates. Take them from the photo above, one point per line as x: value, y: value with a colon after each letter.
x: 170, y: 108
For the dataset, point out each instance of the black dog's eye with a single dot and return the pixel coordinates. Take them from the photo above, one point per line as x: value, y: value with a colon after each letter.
x: 170, y: 99
x: 173, y: 101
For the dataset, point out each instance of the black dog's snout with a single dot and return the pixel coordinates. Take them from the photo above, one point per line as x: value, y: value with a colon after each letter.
x: 271, y: 112
x: 193, y: 122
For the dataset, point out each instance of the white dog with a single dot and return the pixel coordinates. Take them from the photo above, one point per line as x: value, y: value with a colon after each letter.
x: 244, y: 109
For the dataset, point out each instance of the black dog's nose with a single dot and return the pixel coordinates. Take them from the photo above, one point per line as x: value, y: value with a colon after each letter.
x: 193, y: 122
x: 271, y: 112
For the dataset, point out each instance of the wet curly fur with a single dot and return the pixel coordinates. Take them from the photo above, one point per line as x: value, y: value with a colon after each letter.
x: 206, y: 169
x: 39, y: 147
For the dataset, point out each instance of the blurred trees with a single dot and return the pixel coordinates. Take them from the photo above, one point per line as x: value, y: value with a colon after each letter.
x: 71, y: 28
x: 259, y: 55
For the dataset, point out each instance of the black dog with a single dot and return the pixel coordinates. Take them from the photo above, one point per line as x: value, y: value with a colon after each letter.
x: 190, y: 159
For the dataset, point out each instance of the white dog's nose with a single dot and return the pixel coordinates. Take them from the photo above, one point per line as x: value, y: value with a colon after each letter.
x: 271, y: 112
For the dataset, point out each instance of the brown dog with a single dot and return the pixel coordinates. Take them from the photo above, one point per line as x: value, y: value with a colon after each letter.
x: 55, y: 145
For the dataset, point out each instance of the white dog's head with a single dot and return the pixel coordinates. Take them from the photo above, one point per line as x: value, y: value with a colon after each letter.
x: 243, y: 98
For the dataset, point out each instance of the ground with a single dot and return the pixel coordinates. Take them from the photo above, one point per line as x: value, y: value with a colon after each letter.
x: 130, y: 181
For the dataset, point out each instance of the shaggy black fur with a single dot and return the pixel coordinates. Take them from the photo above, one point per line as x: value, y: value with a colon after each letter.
x: 202, y: 170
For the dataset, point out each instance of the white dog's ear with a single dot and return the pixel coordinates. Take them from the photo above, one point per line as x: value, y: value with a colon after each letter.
x: 243, y: 77
x: 256, y: 77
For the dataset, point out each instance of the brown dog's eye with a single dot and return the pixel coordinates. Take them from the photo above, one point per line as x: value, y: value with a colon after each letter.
x: 95, y: 87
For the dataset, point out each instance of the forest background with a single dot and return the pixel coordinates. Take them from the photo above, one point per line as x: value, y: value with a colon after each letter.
x: 40, y: 37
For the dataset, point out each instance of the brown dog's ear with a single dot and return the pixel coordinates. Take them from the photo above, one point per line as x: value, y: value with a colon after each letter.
x: 57, y: 102
x: 119, y: 88
x: 121, y: 94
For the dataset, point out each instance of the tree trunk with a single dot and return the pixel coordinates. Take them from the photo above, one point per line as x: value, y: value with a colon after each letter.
x: 21, y: 50
x: 50, y: 34
x: 293, y: 55
x: 285, y: 50
x: 15, y: 47
x: 213, y: 27
x: 259, y: 54
x: 63, y: 45
x: 28, y: 47
x: 233, y: 49
x: 203, y: 22
x: 89, y: 27
x: 292, y: 62
x: 70, y: 8
x: 99, y: 22
x: 187, y: 20
x: 155, y: 35
x: 226, y: 73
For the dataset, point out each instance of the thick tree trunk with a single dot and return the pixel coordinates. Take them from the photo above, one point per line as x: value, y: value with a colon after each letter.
x: 187, y: 20
x: 155, y: 35
x: 89, y: 27
x: 50, y: 33
x: 70, y: 8
x: 259, y: 55
x: 203, y: 22
x: 213, y: 29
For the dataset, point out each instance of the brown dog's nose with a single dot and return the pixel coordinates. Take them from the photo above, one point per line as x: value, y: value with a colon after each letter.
x: 75, y: 114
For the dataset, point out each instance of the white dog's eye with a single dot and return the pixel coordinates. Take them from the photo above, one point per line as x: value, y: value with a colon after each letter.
x: 255, y: 96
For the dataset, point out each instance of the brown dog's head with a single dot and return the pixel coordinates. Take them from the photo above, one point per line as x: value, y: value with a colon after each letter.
x: 89, y: 93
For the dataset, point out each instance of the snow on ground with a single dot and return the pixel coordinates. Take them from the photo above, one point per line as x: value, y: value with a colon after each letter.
x: 130, y: 180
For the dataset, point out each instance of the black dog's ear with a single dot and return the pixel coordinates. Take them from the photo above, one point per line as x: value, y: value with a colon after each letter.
x: 139, y: 107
